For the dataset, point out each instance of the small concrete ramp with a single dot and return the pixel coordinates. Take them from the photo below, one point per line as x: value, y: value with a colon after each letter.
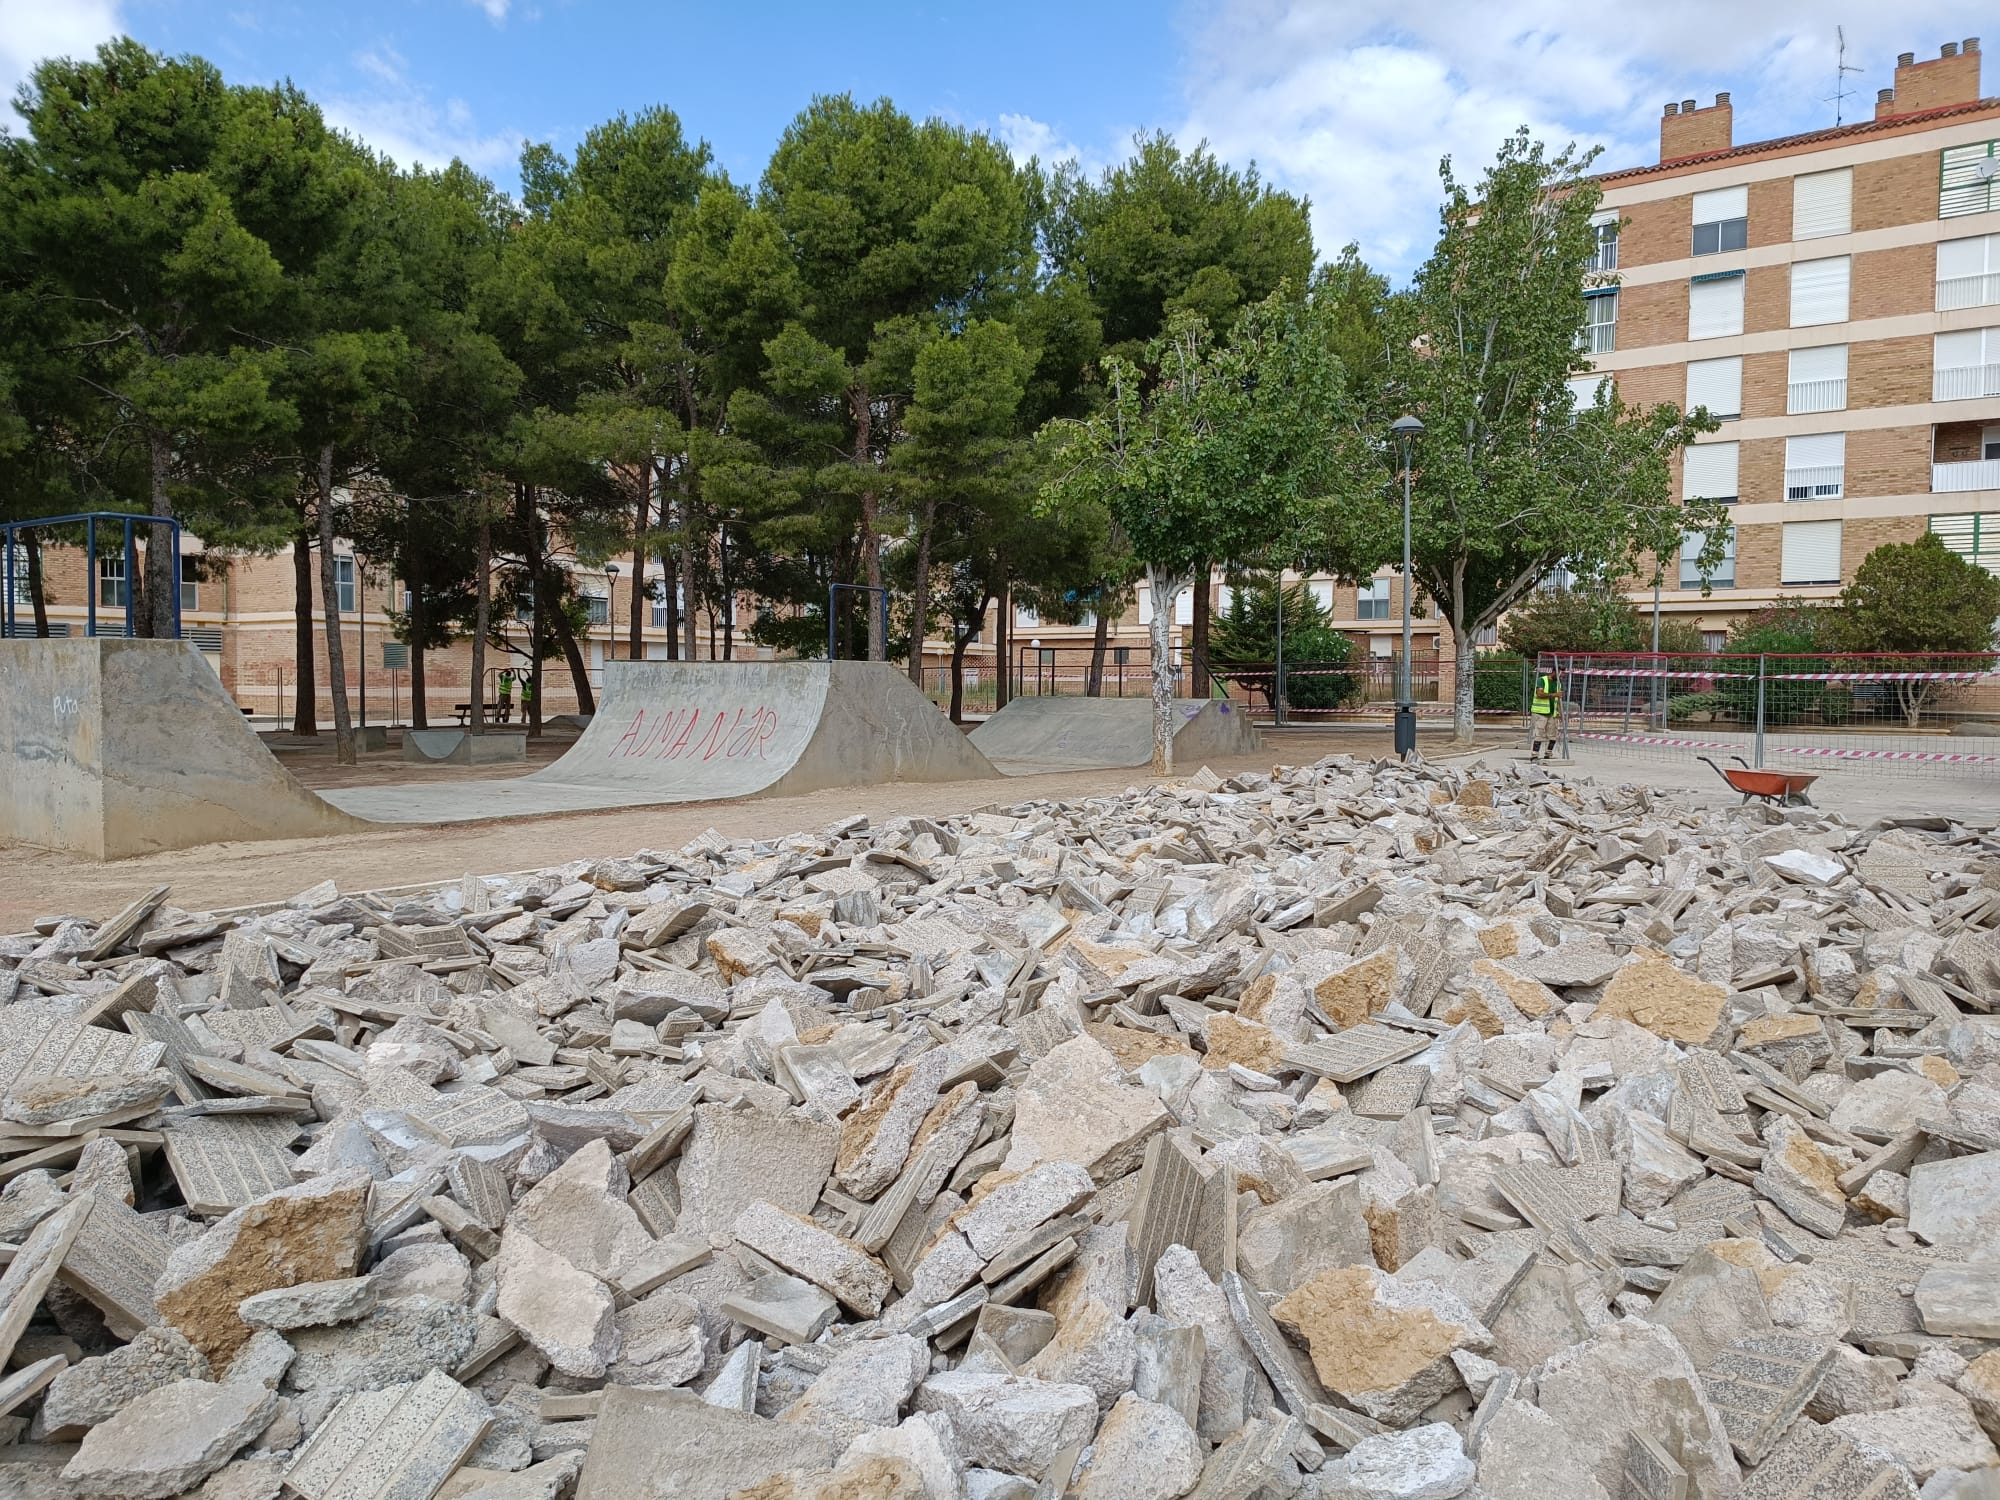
x: 458, y: 747
x: 114, y: 748
x: 1034, y: 735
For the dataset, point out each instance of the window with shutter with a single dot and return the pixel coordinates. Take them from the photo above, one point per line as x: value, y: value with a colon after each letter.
x: 1708, y: 472
x: 1721, y: 220
x: 1583, y: 390
x: 1968, y: 272
x: 1817, y: 379
x: 1715, y: 306
x: 1819, y: 291
x: 1810, y: 552
x: 1716, y: 384
x: 1965, y: 179
x: 1816, y: 466
x: 1724, y: 576
x: 1822, y: 203
x: 1974, y: 537
x: 1965, y: 364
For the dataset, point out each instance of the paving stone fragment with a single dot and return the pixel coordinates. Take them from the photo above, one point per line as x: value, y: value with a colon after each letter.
x: 1380, y: 1344
x: 1760, y: 1384
x: 1424, y: 1463
x: 168, y: 1440
x: 669, y: 1445
x: 566, y: 1313
x: 399, y: 1443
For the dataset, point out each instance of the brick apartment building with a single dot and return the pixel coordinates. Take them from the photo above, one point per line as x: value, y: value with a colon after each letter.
x: 1834, y: 298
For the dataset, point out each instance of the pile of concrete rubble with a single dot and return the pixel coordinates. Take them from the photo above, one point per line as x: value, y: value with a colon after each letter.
x: 1357, y: 1132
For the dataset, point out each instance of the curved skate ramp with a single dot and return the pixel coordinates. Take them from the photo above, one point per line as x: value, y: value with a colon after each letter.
x: 709, y: 731
x: 1034, y: 735
x: 115, y: 747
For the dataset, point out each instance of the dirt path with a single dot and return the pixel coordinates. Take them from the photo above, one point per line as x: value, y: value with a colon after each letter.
x: 43, y: 883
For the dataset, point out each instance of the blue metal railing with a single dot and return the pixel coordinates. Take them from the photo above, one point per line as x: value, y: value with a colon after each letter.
x: 10, y: 590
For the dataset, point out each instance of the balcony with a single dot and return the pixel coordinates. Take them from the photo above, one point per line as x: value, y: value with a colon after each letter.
x: 1600, y: 338
x: 1605, y: 258
x: 1965, y: 382
x: 1954, y: 292
x: 1819, y: 482
x: 1816, y: 395
x: 1955, y: 479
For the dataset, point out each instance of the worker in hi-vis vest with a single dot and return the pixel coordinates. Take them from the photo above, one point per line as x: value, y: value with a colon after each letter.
x: 1542, y: 717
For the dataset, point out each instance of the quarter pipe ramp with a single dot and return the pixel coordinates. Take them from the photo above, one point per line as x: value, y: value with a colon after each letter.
x: 1032, y: 735
x: 115, y: 748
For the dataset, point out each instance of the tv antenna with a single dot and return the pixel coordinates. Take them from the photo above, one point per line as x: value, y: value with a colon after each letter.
x: 1842, y: 67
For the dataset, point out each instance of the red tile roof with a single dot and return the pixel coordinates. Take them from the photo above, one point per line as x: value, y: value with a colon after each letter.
x: 1810, y: 140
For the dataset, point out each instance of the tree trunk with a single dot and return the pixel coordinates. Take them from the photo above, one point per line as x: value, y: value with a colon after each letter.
x: 38, y: 594
x: 920, y: 594
x: 329, y: 589
x: 670, y: 578
x: 958, y: 644
x: 579, y: 669
x: 531, y: 557
x: 687, y: 560
x: 305, y: 712
x: 1463, y: 675
x: 635, y: 637
x: 482, y: 619
x: 1198, y: 686
x: 1003, y: 619
x: 1164, y: 587
x: 862, y: 406
x: 161, y: 585
x: 1099, y: 643
x: 420, y: 708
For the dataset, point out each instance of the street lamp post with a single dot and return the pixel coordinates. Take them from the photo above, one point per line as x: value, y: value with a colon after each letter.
x: 1406, y: 429
x: 611, y: 611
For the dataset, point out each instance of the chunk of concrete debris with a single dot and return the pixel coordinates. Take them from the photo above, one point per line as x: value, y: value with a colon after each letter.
x: 837, y: 1266
x: 310, y: 1304
x: 311, y: 1232
x: 1143, y: 1451
x: 1074, y: 1106
x: 566, y: 1313
x: 1383, y: 1345
x: 403, y: 1440
x: 95, y: 1390
x: 1009, y: 1423
x: 1424, y: 1463
x: 669, y: 1445
x: 169, y: 1440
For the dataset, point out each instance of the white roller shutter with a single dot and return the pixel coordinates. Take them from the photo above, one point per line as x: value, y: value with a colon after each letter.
x: 1184, y: 607
x: 1722, y: 203
x: 1708, y: 472
x: 1965, y: 364
x: 1716, y: 384
x: 1822, y: 203
x: 1816, y: 466
x: 1822, y: 362
x: 1715, y: 307
x: 1811, y: 552
x: 1973, y: 257
x: 1583, y: 390
x: 1819, y: 291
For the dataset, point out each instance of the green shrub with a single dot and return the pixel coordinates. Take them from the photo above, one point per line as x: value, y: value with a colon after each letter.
x: 1498, y: 679
x: 1684, y: 706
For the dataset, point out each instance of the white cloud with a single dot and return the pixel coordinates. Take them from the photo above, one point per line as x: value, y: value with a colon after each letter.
x: 1355, y: 103
x: 496, y: 10
x: 400, y: 120
x: 31, y: 30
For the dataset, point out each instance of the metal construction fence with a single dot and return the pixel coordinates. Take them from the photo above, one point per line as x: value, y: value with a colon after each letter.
x: 1902, y: 715
x: 1362, y: 688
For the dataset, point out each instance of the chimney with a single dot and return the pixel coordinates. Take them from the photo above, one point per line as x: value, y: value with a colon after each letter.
x: 1688, y: 131
x: 1885, y: 103
x: 1952, y: 77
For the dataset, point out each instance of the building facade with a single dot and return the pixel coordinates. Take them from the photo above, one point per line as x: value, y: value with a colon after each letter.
x: 1834, y: 299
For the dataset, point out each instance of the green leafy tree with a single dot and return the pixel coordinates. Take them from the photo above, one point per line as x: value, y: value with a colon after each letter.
x: 1510, y: 480
x: 1919, y: 599
x: 899, y: 232
x: 1233, y: 447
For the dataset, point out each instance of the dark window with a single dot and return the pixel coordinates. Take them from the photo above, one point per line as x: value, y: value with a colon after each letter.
x: 1720, y: 236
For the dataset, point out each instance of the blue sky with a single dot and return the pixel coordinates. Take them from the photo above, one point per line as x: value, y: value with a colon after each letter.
x: 1351, y: 102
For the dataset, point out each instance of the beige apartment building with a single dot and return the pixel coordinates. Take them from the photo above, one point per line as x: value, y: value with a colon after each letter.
x: 1833, y: 298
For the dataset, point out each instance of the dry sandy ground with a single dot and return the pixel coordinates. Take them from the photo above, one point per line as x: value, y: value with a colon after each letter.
x: 42, y: 883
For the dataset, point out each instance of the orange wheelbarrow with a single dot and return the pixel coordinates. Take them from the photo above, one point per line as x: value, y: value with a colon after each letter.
x: 1786, y: 788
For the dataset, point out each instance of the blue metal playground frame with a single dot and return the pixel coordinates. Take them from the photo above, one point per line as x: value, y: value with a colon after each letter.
x: 9, y: 623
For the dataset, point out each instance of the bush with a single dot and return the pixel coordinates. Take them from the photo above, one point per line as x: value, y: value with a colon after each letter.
x: 1497, y: 682
x: 1795, y: 630
x: 1589, y: 617
x: 1683, y: 707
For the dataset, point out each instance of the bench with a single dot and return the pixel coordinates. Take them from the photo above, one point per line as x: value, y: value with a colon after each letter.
x: 496, y: 713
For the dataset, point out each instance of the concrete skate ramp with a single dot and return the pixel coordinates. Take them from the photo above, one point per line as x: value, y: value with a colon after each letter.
x: 457, y: 747
x: 112, y: 748
x: 1033, y: 735
x: 707, y: 731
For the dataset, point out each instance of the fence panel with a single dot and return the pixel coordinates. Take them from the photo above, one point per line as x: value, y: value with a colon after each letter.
x: 1882, y: 715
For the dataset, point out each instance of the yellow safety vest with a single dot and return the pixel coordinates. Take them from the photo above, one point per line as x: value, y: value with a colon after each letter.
x: 1545, y: 695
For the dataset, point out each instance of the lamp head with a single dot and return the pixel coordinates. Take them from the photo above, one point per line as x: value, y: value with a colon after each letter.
x: 1406, y: 427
